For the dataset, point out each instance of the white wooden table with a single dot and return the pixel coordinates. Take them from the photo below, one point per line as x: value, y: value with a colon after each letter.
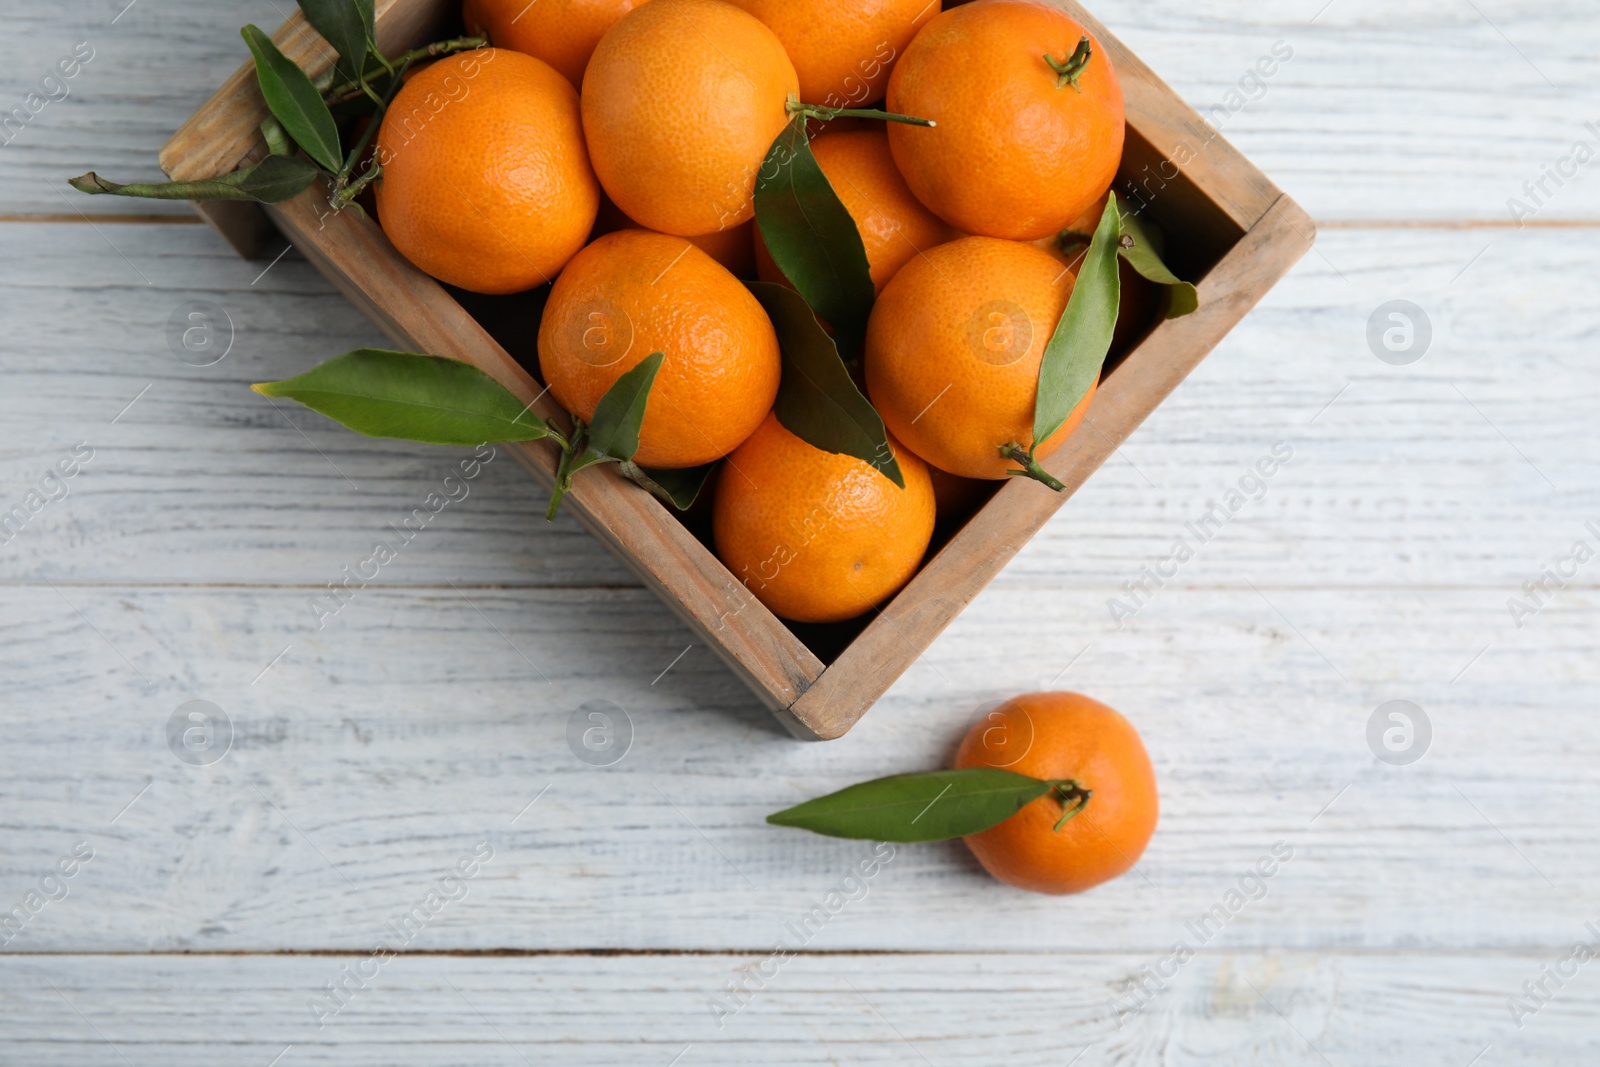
x: 620, y: 904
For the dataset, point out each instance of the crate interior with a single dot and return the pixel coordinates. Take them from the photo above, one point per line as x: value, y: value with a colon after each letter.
x: 1198, y: 234
x: 1197, y: 238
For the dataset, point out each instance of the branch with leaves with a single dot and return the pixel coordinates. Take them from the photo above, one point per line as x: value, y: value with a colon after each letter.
x: 302, y: 131
x: 410, y: 396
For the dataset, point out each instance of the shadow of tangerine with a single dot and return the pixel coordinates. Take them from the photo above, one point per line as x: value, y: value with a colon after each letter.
x: 600, y: 332
x: 1000, y: 333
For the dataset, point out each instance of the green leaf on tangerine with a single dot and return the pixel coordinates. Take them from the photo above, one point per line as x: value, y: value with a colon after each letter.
x: 1077, y: 350
x: 933, y: 806
x: 294, y: 100
x: 614, y: 431
x: 818, y: 401
x: 1144, y: 256
x: 350, y: 26
x: 812, y: 238
x: 411, y: 397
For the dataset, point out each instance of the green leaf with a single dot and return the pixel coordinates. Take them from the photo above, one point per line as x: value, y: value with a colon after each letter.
x: 1144, y: 256
x: 614, y: 430
x: 1077, y: 350
x: 411, y: 397
x: 350, y: 26
x: 273, y: 180
x: 676, y: 488
x: 276, y: 179
x: 933, y: 806
x: 294, y: 100
x: 812, y: 238
x: 818, y: 401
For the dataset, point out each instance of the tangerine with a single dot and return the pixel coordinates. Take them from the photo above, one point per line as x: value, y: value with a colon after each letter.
x: 893, y: 224
x: 953, y: 352
x: 817, y: 536
x: 563, y: 33
x: 734, y: 247
x: 634, y: 292
x: 1065, y: 736
x: 486, y: 182
x: 681, y: 101
x: 843, y: 50
x: 1029, y: 112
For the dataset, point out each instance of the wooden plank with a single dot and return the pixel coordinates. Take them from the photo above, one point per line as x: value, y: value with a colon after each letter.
x: 370, y: 753
x: 1333, y: 126
x: 1455, y: 505
x: 197, y: 480
x: 898, y: 633
x: 1227, y: 1007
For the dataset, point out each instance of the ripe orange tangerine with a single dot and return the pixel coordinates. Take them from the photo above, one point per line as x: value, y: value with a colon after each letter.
x: 1065, y: 736
x: 953, y: 352
x: 681, y: 101
x: 1030, y: 118
x: 817, y: 536
x: 634, y: 292
x: 486, y: 181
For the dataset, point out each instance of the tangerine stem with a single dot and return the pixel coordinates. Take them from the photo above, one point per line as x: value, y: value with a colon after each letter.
x: 823, y: 113
x: 1072, y: 797
x: 1030, y: 466
x: 340, y: 94
x: 1069, y: 72
x: 347, y: 195
x: 570, y: 448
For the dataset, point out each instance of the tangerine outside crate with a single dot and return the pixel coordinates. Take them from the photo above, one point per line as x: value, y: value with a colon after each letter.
x: 1227, y: 226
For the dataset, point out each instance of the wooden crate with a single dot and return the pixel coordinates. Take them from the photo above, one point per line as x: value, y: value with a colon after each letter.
x: 1228, y: 227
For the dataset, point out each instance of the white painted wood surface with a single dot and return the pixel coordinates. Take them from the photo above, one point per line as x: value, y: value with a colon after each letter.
x: 373, y: 754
